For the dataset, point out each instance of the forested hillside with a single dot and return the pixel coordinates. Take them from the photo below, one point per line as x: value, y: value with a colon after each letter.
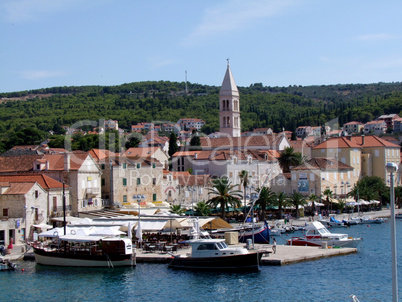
x: 277, y: 107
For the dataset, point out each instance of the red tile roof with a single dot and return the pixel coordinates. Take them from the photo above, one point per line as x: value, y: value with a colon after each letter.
x: 323, y: 163
x: 337, y: 142
x: 44, y: 181
x: 19, y: 188
x: 242, y: 141
x: 373, y: 141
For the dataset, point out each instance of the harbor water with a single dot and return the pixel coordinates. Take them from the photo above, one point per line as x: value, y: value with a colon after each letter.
x: 366, y: 274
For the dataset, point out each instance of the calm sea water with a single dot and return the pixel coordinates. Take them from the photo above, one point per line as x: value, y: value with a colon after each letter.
x: 366, y: 274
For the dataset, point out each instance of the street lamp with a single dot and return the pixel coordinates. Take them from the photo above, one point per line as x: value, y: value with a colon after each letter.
x: 391, y: 169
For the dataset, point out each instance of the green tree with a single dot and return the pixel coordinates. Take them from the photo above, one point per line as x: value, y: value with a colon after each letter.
x: 173, y: 144
x: 289, y: 158
x: 202, y: 209
x: 177, y: 209
x: 297, y: 200
x: 328, y: 195
x: 243, y: 175
x: 266, y: 198
x: 224, y: 195
x: 133, y: 141
x: 281, y: 201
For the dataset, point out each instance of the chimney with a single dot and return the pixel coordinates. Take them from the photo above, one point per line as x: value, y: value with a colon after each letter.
x: 349, y: 137
x: 363, y: 140
x: 66, y: 162
x: 195, y: 155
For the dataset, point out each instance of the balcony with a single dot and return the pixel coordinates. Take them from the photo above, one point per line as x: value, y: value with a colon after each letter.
x: 92, y: 192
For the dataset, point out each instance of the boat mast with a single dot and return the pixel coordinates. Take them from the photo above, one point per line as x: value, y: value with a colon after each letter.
x: 64, y: 209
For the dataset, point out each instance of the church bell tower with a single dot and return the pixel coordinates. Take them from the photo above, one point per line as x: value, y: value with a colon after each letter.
x: 229, y: 107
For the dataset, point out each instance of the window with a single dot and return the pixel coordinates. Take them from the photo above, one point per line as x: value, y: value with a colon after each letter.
x: 124, y: 181
x: 138, y: 165
x: 377, y: 153
x: 54, y: 203
x: 124, y: 198
x: 124, y: 165
x: 154, y: 165
x: 103, y: 166
x: 154, y: 197
x: 138, y: 181
x: 5, y: 212
x: 36, y: 193
x: 154, y: 181
x: 103, y: 182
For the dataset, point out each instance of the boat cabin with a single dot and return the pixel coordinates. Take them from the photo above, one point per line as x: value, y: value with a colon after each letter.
x: 213, y: 248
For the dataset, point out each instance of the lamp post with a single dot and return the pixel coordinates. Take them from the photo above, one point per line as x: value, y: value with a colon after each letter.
x: 391, y: 169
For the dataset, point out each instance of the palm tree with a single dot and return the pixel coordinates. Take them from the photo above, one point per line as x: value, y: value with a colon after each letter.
x: 224, y: 194
x: 203, y: 209
x: 398, y: 196
x: 289, y: 158
x: 266, y: 198
x: 328, y: 194
x: 243, y: 174
x: 177, y: 209
x: 297, y: 200
x: 281, y: 201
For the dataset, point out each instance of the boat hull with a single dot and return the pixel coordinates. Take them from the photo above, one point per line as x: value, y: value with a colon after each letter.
x: 351, y: 243
x: 261, y: 235
x: 244, y: 262
x: 59, y: 259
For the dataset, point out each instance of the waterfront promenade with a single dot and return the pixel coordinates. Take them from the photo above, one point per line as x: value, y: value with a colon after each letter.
x: 284, y: 255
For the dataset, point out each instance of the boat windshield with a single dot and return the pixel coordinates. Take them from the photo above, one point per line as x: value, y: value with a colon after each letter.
x: 206, y: 246
x: 221, y: 245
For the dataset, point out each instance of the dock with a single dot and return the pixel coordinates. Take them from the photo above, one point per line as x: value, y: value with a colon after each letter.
x: 285, y: 254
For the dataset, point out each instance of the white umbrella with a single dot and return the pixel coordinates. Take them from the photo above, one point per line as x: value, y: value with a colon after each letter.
x: 138, y: 233
x: 129, y: 233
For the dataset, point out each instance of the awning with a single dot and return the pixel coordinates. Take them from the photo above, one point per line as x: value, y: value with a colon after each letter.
x: 43, y: 226
x: 154, y: 225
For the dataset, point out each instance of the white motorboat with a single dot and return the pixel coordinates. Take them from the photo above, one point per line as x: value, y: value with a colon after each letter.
x: 332, y: 222
x: 317, y: 234
x: 215, y: 254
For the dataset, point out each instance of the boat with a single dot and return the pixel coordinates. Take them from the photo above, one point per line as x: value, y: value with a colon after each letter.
x: 317, y: 234
x: 352, y: 221
x: 332, y: 222
x: 78, y: 249
x: 7, y: 265
x: 215, y: 254
x: 261, y: 235
x: 398, y: 216
x: 372, y: 220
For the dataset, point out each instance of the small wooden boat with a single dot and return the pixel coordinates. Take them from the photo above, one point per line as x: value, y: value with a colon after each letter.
x: 7, y: 265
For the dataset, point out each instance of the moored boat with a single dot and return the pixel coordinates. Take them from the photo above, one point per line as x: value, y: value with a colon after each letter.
x: 261, y: 235
x: 215, y: 254
x: 85, y: 251
x: 317, y: 234
x: 7, y: 265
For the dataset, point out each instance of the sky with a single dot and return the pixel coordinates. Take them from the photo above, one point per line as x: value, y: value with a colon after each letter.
x: 48, y: 43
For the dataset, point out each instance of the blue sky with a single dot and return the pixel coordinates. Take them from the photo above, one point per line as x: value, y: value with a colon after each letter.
x: 47, y: 43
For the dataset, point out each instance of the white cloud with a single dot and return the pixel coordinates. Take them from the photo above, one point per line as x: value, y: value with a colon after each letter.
x: 40, y: 74
x: 233, y: 15
x: 376, y: 37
